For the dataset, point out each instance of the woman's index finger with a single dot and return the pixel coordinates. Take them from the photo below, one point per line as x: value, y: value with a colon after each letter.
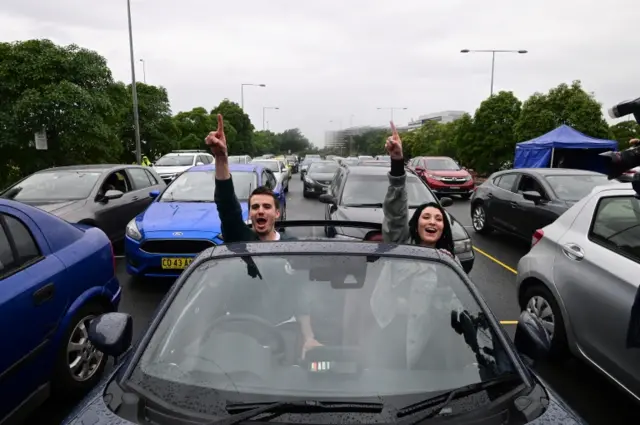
x: 394, y: 132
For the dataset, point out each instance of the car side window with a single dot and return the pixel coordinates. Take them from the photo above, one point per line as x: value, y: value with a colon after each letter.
x: 207, y: 159
x: 26, y: 248
x: 117, y: 180
x: 265, y: 180
x: 7, y: 260
x: 154, y: 181
x: 616, y: 225
x: 528, y: 183
x: 506, y: 181
x: 337, y: 181
x: 140, y: 178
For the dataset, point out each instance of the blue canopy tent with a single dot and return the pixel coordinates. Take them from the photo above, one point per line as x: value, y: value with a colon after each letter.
x: 541, y: 151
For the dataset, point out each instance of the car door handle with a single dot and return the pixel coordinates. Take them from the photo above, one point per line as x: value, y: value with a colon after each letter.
x: 515, y: 205
x: 44, y: 294
x: 573, y: 251
x: 489, y: 195
x: 135, y: 198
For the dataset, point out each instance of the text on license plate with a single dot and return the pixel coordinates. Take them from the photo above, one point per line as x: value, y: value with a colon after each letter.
x: 455, y: 187
x: 176, y: 263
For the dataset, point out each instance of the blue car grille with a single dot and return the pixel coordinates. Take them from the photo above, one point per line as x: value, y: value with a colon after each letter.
x: 176, y: 246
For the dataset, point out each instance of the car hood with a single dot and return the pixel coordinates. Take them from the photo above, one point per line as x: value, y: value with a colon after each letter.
x: 58, y: 208
x: 448, y: 173
x: 182, y: 216
x: 376, y: 215
x: 325, y: 177
x: 171, y: 169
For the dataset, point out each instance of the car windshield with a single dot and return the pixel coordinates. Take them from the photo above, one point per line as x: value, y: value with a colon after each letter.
x: 198, y: 186
x: 350, y: 161
x: 361, y: 189
x: 323, y: 167
x: 310, y: 160
x: 236, y: 160
x: 575, y: 187
x: 175, y: 161
x: 442, y: 164
x: 56, y: 186
x: 271, y: 165
x: 386, y: 326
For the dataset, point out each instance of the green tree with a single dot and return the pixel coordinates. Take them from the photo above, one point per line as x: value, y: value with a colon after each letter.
x: 493, y: 132
x: 194, y: 126
x: 238, y: 127
x: 265, y: 142
x: 292, y: 140
x: 66, y: 91
x: 625, y: 131
x: 564, y: 104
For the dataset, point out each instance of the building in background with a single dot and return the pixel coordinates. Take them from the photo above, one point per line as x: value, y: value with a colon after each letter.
x: 442, y: 117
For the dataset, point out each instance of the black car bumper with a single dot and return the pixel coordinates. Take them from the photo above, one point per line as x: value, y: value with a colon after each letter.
x: 315, y: 188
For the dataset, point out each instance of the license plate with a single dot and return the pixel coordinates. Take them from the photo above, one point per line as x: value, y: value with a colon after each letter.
x: 455, y: 187
x: 176, y: 263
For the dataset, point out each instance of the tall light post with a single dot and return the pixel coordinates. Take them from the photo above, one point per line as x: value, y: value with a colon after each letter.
x: 144, y: 71
x: 264, y: 113
x: 242, y: 92
x: 134, y: 92
x: 493, y: 58
x: 391, y: 109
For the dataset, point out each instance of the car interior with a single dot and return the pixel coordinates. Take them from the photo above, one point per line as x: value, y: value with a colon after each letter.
x: 116, y: 181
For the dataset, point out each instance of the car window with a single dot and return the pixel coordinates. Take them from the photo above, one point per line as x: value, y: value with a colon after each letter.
x: 266, y: 181
x: 26, y: 246
x: 7, y: 261
x: 140, y: 178
x: 272, y: 180
x: 175, y: 161
x: 205, y: 340
x: 271, y: 165
x: 575, y: 187
x: 117, y: 180
x: 528, y: 183
x: 506, y: 181
x: 58, y: 185
x: 323, y: 167
x: 362, y: 189
x: 335, y: 184
x: 199, y: 186
x: 441, y: 164
x: 616, y: 225
x: 152, y: 178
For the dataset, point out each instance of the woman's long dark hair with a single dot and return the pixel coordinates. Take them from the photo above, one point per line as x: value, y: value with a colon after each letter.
x: 445, y: 241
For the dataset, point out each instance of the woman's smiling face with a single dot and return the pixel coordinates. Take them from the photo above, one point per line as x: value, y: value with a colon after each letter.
x: 430, y: 226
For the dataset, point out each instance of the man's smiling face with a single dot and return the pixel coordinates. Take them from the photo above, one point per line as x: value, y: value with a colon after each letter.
x: 263, y: 214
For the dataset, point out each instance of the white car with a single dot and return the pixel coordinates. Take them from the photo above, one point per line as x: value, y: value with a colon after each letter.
x: 279, y: 169
x: 176, y: 162
x: 580, y: 278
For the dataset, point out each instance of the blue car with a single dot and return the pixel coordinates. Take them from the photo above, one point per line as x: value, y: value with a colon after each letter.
x: 55, y: 277
x: 183, y: 220
x: 400, y: 335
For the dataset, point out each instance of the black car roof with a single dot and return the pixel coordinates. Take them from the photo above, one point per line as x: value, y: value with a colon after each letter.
x: 91, y: 167
x: 372, y: 170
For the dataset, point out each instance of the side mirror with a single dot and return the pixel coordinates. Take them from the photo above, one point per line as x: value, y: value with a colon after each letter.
x: 464, y: 168
x: 532, y: 195
x: 199, y: 163
x: 446, y: 201
x: 154, y: 193
x: 111, y: 333
x: 532, y: 339
x: 326, y: 198
x: 112, y: 194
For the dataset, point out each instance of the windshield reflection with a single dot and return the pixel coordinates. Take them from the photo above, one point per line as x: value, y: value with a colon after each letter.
x: 385, y: 324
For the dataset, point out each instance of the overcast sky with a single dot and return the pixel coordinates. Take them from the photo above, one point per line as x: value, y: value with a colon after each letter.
x: 340, y: 60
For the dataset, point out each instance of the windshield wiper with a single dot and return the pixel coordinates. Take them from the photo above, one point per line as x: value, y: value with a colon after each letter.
x: 378, y: 205
x: 441, y: 401
x: 11, y: 193
x: 302, y: 406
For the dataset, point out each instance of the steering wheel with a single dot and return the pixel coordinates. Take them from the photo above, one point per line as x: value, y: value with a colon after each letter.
x: 255, y: 327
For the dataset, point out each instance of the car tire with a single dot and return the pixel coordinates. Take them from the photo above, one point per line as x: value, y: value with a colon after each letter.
x: 64, y: 382
x: 286, y: 189
x: 540, y: 302
x: 305, y: 194
x: 466, y: 196
x: 479, y: 219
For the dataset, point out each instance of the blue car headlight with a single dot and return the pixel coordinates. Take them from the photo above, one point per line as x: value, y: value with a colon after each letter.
x: 132, y: 230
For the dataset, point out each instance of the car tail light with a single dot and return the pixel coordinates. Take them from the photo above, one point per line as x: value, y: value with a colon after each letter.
x: 113, y: 257
x: 537, y: 235
x: 373, y: 236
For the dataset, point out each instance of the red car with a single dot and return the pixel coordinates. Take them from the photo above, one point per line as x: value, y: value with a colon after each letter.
x: 443, y: 175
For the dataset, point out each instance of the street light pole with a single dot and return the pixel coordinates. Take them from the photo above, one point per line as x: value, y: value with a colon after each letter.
x: 134, y: 92
x: 264, y: 113
x: 242, y: 92
x: 393, y: 108
x: 493, y: 58
x: 144, y: 71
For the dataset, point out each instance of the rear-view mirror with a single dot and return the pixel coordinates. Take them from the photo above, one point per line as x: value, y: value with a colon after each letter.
x: 532, y: 339
x: 326, y: 198
x: 446, y: 202
x: 154, y: 193
x: 532, y: 195
x: 113, y: 194
x: 111, y: 333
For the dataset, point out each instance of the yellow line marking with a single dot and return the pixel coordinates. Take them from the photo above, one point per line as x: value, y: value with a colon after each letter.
x: 495, y: 260
x: 508, y: 322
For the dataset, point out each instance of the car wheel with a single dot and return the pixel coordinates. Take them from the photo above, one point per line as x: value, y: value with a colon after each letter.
x: 305, y: 194
x: 541, y: 303
x: 286, y: 189
x: 479, y: 219
x: 79, y: 365
x: 466, y: 196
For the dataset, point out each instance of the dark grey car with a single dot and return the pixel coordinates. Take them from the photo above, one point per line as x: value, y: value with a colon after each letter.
x: 318, y: 177
x: 357, y: 193
x: 103, y: 195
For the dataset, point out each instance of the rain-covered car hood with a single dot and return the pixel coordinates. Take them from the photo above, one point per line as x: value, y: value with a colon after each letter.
x: 182, y: 216
x: 323, y: 177
x: 448, y: 173
x: 375, y: 215
x: 94, y: 411
x: 58, y: 208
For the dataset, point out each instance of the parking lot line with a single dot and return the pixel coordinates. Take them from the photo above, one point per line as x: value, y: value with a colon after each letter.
x: 495, y: 260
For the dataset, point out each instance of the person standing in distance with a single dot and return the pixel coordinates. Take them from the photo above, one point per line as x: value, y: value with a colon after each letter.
x: 264, y: 211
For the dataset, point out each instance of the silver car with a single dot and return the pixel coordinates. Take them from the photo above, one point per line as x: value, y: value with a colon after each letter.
x: 581, y: 278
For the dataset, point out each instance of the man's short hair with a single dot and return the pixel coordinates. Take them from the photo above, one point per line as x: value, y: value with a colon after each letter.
x: 263, y: 190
